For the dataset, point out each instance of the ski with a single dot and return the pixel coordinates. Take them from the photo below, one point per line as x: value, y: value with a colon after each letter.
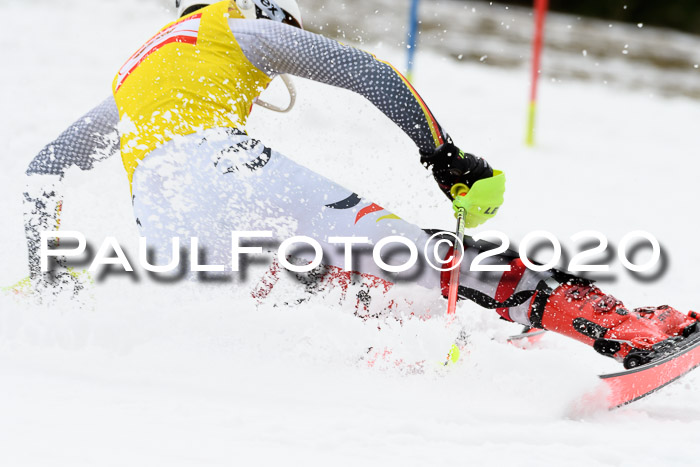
x: 528, y: 335
x: 628, y: 386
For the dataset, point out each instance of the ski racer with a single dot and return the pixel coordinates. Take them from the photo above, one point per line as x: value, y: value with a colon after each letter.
x: 183, y: 99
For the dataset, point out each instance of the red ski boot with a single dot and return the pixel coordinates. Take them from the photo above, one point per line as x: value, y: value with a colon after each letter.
x: 634, y: 337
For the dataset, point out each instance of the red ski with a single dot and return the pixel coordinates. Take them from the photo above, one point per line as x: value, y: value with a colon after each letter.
x: 528, y: 336
x: 628, y: 386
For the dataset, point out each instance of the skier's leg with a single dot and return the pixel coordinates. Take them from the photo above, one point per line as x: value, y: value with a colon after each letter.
x: 208, y: 185
x: 212, y: 185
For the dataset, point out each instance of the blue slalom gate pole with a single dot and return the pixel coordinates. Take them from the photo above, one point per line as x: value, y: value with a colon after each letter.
x: 412, y: 39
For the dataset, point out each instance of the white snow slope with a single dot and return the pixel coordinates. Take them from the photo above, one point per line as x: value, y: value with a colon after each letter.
x: 199, y: 375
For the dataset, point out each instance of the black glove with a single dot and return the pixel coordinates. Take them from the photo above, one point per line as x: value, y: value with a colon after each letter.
x: 450, y: 166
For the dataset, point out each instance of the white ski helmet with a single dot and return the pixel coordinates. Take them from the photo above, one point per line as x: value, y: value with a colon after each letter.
x: 285, y: 11
x: 185, y: 7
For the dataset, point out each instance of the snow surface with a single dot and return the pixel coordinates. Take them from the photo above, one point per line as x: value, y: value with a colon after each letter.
x: 200, y: 375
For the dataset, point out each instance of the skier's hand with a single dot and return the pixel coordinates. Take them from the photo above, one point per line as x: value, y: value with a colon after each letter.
x: 451, y: 166
x: 65, y: 285
x: 482, y: 200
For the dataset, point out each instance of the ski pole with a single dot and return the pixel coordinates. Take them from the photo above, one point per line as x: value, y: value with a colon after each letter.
x: 457, y: 190
x: 455, y: 351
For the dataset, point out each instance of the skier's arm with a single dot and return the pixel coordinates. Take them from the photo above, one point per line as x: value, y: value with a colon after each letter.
x: 90, y: 139
x: 277, y: 48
